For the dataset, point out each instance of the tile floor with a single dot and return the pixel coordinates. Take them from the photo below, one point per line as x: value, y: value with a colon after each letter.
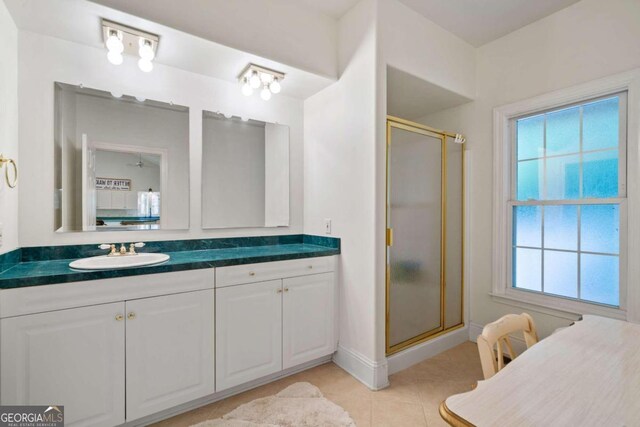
x: 412, y: 399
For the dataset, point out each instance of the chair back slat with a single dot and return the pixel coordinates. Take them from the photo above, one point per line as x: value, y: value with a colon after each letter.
x: 495, y: 334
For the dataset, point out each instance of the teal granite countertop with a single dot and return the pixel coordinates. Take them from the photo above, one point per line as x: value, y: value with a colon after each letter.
x: 50, y: 265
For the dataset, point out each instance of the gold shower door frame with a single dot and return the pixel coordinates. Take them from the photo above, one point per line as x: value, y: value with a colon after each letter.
x: 398, y: 123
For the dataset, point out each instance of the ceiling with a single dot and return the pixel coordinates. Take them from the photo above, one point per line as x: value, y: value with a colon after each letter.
x: 79, y: 21
x: 481, y: 21
x: 128, y: 159
x: 475, y: 21
x: 333, y: 8
x: 410, y: 97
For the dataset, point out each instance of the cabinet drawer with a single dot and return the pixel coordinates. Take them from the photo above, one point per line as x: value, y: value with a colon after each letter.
x: 38, y: 299
x: 250, y: 273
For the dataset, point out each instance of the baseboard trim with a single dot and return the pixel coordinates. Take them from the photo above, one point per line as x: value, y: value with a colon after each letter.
x: 475, y: 329
x: 194, y: 404
x: 418, y: 353
x: 370, y: 373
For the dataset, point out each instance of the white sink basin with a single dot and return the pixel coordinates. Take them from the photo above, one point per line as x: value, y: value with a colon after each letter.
x: 105, y: 262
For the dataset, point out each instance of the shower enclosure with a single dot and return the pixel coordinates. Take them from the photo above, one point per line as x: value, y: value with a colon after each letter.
x: 425, y: 212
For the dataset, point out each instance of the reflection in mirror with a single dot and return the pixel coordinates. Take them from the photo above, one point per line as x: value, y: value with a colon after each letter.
x: 245, y: 172
x: 121, y: 163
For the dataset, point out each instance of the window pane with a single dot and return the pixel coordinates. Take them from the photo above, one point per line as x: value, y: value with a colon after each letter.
x: 561, y: 273
x: 600, y: 228
x: 565, y: 155
x: 563, y: 131
x: 600, y: 124
x: 527, y: 226
x: 600, y: 174
x: 529, y: 177
x: 527, y: 269
x: 530, y: 137
x: 563, y: 178
x: 599, y: 275
x: 561, y: 227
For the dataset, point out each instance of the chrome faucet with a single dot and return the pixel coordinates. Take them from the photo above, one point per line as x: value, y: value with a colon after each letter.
x: 123, y: 249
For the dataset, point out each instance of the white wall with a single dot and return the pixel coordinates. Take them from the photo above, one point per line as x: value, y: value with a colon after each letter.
x: 414, y: 44
x: 8, y: 127
x: 583, y: 42
x: 114, y: 164
x: 345, y: 153
x: 67, y: 62
x: 340, y: 169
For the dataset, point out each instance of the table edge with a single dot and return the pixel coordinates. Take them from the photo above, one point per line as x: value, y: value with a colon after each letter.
x: 451, y: 417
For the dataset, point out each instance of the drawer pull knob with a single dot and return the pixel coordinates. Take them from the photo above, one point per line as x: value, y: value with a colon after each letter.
x: 131, y: 316
x: 279, y: 291
x: 119, y: 317
x: 251, y: 273
x: 286, y: 289
x: 310, y: 267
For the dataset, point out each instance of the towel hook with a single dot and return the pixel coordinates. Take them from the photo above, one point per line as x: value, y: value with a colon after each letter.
x: 4, y: 160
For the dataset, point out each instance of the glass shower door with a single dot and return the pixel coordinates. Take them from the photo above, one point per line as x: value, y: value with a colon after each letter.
x: 415, y: 204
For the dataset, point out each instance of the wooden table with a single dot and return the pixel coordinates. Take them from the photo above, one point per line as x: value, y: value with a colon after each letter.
x: 584, y: 375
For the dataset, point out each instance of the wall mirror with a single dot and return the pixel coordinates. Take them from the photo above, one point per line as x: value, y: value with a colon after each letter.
x: 245, y: 172
x: 121, y: 162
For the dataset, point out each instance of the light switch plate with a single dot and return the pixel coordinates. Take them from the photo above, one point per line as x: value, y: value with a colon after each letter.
x: 327, y: 226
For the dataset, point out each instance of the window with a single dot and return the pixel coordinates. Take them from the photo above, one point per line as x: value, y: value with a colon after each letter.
x: 567, y: 200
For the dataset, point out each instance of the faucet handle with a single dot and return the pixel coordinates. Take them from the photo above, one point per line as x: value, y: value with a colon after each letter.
x: 105, y: 246
x: 133, y: 246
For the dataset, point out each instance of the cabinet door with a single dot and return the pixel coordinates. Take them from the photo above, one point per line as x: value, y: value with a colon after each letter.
x: 131, y: 200
x: 70, y: 357
x: 308, y: 325
x: 248, y: 332
x: 117, y: 200
x: 103, y: 199
x: 169, y: 351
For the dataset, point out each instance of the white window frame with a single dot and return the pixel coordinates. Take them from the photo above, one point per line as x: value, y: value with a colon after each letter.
x: 502, y: 208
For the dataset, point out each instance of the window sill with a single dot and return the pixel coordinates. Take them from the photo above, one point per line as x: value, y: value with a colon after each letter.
x: 555, y: 306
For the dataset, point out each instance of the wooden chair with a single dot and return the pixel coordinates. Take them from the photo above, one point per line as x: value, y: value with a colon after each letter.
x: 496, y: 334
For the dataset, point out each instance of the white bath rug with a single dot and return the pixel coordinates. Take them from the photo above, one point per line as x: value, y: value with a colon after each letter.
x: 299, y: 405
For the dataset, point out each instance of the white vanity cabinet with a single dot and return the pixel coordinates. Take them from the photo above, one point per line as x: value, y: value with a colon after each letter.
x: 158, y: 351
x: 114, y: 351
x: 169, y: 348
x: 103, y: 199
x: 74, y: 358
x: 267, y: 326
x: 248, y: 332
x: 309, y: 314
x: 107, y: 199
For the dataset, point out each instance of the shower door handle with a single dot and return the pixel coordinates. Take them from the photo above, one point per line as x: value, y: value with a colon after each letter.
x: 389, y: 236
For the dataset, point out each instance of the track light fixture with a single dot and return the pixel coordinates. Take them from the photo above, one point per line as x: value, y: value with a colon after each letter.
x: 254, y: 76
x: 120, y: 39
